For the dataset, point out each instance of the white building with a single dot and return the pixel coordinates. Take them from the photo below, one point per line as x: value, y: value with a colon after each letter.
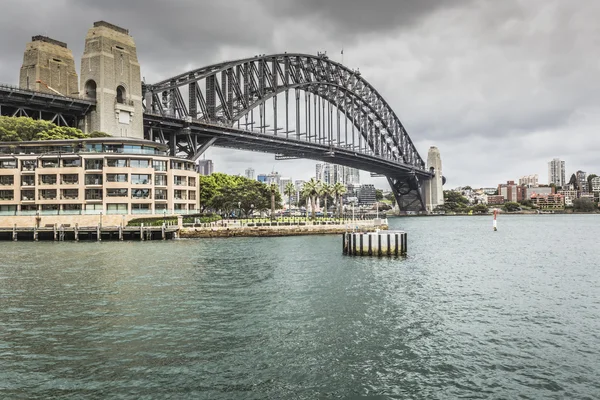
x: 249, y: 173
x: 556, y: 172
x: 529, y: 181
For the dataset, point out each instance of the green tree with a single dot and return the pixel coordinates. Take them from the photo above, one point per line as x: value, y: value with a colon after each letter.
x: 378, y: 194
x: 390, y: 196
x: 511, y: 206
x: 19, y: 129
x: 311, y: 190
x: 338, y: 190
x: 289, y: 190
x: 584, y: 205
x: 325, y: 192
x: 480, y: 208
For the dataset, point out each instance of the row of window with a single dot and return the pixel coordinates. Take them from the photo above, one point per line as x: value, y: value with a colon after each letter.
x: 95, y: 164
x: 97, y: 194
x: 84, y: 148
x: 97, y: 179
x: 94, y: 208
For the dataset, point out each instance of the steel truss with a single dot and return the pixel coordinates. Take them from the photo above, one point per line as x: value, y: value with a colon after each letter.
x: 307, y: 106
x: 61, y: 110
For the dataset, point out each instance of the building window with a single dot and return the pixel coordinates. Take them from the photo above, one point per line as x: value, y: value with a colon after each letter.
x: 71, y: 208
x: 116, y: 178
x: 192, y: 195
x: 160, y: 207
x: 139, y: 163
x: 7, y: 180
x: 28, y: 165
x: 116, y: 162
x: 27, y: 195
x: 8, y: 210
x: 7, y: 164
x: 70, y: 194
x: 69, y: 179
x: 140, y: 193
x: 141, y: 179
x: 90, y: 89
x: 47, y: 194
x: 93, y: 179
x: 192, y: 182
x: 116, y: 192
x: 47, y: 179
x: 72, y: 163
x: 120, y: 95
x: 93, y: 194
x: 93, y: 164
x: 7, y: 194
x: 160, y: 180
x: 160, y: 194
x: 50, y: 207
x: 94, y: 148
x: 177, y: 165
x: 180, y: 207
x: 116, y: 208
x: 180, y: 181
x: 140, y: 208
x: 180, y: 194
x: 94, y: 208
x: 50, y: 163
x: 27, y: 180
x: 159, y: 165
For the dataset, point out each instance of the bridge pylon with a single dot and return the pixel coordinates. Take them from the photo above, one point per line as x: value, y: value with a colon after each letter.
x: 110, y: 74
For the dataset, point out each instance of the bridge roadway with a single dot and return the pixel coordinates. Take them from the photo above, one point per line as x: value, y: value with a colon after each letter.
x: 222, y: 135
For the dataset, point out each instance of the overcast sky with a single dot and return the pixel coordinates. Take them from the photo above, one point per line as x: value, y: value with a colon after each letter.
x: 500, y: 87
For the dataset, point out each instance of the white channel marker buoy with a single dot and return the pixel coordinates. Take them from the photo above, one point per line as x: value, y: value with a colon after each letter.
x: 495, y: 214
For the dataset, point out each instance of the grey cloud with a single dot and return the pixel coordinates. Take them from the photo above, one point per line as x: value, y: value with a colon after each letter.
x: 465, y: 75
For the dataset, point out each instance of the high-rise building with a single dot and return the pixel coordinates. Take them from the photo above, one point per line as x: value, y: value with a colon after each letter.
x: 262, y: 178
x: 582, y: 181
x: 319, y: 172
x: 556, y: 172
x: 529, y: 181
x: 273, y: 177
x: 282, y: 184
x: 595, y: 184
x: 204, y: 167
x: 249, y: 173
x: 510, y: 191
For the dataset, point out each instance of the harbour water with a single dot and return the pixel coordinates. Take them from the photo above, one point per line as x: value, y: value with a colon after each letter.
x: 470, y: 313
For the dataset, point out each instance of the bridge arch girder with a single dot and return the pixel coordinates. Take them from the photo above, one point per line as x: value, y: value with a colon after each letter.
x: 243, y: 85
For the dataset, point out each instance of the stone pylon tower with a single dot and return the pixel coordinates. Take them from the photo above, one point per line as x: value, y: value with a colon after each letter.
x: 434, y: 193
x: 110, y: 74
x: 49, y: 67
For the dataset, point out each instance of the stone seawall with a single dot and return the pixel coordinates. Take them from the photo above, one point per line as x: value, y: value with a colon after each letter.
x: 271, y: 231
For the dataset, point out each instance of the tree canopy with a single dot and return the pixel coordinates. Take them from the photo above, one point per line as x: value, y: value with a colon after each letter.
x: 22, y: 129
x: 226, y: 193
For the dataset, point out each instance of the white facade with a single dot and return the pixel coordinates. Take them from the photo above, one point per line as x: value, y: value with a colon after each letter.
x: 529, y: 181
x: 556, y: 172
x: 249, y: 173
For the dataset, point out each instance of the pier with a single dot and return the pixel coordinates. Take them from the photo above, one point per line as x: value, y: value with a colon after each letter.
x: 59, y: 233
x: 378, y: 243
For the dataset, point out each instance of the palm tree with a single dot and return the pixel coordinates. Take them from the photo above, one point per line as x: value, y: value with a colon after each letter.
x: 338, y: 190
x: 289, y: 189
x: 311, y: 190
x: 325, y: 192
x: 273, y: 188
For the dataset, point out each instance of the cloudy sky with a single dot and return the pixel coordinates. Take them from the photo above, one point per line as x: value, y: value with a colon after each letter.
x: 500, y: 87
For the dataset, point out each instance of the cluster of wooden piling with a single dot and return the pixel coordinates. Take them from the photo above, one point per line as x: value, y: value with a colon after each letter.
x: 59, y: 233
x: 380, y: 243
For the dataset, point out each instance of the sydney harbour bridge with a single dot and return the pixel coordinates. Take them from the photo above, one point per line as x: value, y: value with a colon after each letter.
x: 291, y: 105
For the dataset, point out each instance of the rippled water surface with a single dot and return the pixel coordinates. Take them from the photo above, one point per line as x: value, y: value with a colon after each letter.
x: 470, y: 313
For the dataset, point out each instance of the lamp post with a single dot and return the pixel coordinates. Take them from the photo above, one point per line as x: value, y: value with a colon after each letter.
x: 239, y: 210
x: 164, y: 217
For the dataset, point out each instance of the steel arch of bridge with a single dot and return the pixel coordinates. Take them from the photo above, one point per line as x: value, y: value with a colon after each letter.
x: 225, y: 96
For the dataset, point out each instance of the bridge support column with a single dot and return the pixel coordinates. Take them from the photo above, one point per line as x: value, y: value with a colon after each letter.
x: 408, y: 191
